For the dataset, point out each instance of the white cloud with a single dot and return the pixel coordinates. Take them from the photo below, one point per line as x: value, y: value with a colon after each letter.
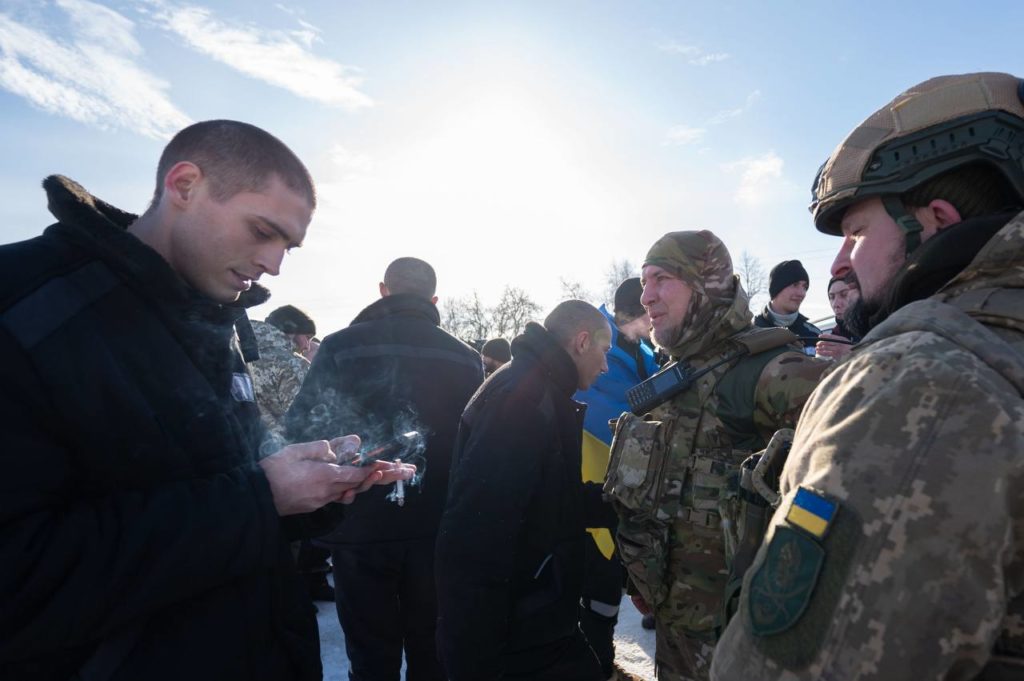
x: 760, y: 179
x: 280, y: 58
x: 681, y: 134
x: 684, y: 134
x: 728, y: 114
x: 350, y: 165
x: 694, y: 55
x: 92, y: 78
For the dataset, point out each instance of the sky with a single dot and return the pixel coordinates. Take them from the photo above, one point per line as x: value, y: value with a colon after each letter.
x: 514, y: 143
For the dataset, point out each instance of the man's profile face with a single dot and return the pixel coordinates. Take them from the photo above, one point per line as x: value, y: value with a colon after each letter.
x: 490, y: 364
x: 666, y: 298
x: 221, y: 247
x: 872, y: 250
x: 593, y: 361
x: 788, y: 300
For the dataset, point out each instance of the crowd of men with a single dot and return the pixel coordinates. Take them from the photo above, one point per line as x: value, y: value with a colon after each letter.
x: 783, y: 503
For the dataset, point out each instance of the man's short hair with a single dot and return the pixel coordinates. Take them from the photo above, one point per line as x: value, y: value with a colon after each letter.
x: 411, y: 275
x: 497, y: 348
x: 235, y: 157
x: 974, y: 190
x: 572, y: 316
x: 290, y: 319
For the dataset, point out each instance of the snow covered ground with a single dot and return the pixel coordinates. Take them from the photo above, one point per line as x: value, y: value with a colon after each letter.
x: 634, y: 645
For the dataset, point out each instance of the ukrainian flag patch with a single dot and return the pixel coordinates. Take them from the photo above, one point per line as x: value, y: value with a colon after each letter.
x: 811, y: 512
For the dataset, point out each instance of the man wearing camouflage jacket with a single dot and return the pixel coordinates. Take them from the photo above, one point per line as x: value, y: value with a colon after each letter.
x: 280, y: 370
x: 898, y: 546
x: 678, y: 516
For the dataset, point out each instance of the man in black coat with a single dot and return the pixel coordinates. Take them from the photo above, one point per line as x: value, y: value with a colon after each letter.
x: 393, y: 370
x: 510, y: 550
x: 141, y: 539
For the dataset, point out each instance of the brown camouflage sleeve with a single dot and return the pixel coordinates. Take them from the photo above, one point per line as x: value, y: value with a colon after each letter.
x: 919, y: 446
x: 782, y: 390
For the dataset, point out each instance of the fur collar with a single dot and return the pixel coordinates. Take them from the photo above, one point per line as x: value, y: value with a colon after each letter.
x: 101, y: 228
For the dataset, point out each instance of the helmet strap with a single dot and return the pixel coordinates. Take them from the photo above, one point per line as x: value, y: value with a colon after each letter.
x: 905, y: 221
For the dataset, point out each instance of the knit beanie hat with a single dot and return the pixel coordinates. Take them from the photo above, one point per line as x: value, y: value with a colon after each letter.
x: 290, y: 319
x: 785, y: 273
x: 627, y: 299
x: 497, y: 348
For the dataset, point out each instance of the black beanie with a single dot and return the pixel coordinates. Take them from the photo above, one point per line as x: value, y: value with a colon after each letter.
x: 627, y: 299
x: 290, y: 319
x: 497, y: 348
x: 785, y: 273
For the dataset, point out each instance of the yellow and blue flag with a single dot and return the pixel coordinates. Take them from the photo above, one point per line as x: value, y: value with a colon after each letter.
x: 811, y: 512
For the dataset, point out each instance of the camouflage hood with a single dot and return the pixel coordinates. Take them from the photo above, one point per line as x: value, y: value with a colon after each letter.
x: 999, y: 264
x: 719, y: 307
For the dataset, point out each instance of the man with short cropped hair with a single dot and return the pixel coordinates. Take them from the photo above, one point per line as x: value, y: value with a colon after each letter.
x: 142, y: 539
x: 511, y: 544
x: 896, y: 548
x: 392, y: 370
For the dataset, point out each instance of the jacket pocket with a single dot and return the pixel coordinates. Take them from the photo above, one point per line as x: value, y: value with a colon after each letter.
x: 636, y: 467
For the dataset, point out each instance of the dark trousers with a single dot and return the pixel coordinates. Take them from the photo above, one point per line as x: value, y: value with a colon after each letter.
x: 386, y: 603
x: 568, y: 660
x: 599, y: 607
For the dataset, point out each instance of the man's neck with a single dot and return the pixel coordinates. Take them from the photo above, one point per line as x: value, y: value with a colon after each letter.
x: 781, y: 319
x: 147, y: 230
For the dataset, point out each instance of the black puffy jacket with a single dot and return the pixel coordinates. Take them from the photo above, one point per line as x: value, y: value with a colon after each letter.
x: 135, y: 520
x: 392, y: 370
x: 510, y: 550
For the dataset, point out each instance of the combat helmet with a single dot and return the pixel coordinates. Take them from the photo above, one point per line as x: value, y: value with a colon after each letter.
x: 941, y: 124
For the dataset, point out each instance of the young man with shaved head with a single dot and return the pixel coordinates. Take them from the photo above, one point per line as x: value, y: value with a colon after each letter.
x: 511, y: 546
x: 142, y: 540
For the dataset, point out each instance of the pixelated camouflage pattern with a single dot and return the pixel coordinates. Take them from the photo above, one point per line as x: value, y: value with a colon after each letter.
x: 919, y: 435
x: 277, y: 376
x: 691, y: 531
x: 719, y: 306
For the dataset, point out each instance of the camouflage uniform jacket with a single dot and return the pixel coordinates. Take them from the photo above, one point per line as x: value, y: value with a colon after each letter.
x: 709, y: 430
x: 277, y: 375
x: 909, y: 462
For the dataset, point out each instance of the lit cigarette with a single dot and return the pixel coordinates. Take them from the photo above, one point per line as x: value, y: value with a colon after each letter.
x: 400, y: 489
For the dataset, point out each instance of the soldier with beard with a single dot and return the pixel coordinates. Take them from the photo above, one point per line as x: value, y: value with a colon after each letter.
x: 674, y: 474
x: 897, y: 547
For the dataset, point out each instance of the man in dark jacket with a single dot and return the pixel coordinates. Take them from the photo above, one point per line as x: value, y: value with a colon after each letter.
x: 391, y: 371
x: 787, y: 286
x: 141, y: 539
x: 511, y: 545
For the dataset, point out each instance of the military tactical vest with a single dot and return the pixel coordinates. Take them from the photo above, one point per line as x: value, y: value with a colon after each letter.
x: 674, y: 473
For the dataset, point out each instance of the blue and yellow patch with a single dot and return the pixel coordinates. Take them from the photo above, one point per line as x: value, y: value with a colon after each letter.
x: 811, y: 512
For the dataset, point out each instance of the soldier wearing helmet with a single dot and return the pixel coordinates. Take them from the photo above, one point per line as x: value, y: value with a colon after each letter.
x: 898, y: 544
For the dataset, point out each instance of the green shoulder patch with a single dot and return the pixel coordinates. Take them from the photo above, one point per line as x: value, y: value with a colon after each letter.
x: 781, y: 587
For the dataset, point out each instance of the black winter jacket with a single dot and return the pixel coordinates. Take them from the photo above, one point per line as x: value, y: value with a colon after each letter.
x: 510, y: 549
x: 807, y: 332
x: 392, y: 370
x: 135, y: 520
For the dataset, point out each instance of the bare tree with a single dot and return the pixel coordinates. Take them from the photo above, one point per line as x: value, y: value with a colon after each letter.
x: 574, y: 290
x: 753, y: 277
x: 513, y: 311
x: 618, y: 271
x: 466, y: 318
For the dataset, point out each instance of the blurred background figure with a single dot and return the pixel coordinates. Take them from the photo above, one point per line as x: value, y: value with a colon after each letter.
x: 278, y: 374
x: 787, y: 285
x: 495, y: 352
x: 842, y: 293
x: 630, y: 360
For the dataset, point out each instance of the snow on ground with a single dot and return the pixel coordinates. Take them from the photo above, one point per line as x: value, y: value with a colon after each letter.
x: 634, y: 645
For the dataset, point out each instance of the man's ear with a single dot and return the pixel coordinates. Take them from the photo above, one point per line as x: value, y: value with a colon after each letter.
x: 180, y: 182
x: 582, y: 342
x: 433, y: 299
x: 384, y: 292
x: 937, y: 216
